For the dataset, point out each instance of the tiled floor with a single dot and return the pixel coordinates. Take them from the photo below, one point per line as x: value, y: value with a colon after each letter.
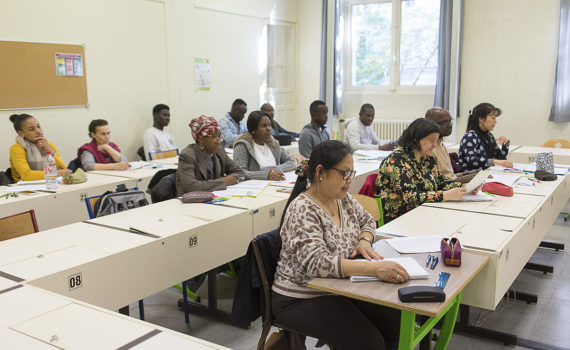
x: 548, y: 321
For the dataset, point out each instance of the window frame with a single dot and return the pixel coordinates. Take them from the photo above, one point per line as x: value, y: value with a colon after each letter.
x: 394, y: 87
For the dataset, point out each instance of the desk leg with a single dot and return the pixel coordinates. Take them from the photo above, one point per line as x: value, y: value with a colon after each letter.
x: 409, y: 338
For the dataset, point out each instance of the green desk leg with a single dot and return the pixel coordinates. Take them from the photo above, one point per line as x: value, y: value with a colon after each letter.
x: 409, y: 337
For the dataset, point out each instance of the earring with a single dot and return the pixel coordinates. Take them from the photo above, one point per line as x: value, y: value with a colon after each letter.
x: 201, y: 146
x: 320, y: 178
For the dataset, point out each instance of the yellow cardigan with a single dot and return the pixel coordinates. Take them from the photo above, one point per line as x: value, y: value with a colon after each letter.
x: 19, y: 164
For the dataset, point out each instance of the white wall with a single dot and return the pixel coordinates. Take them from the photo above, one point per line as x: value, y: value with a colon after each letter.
x: 141, y: 52
x: 125, y: 65
x: 508, y: 59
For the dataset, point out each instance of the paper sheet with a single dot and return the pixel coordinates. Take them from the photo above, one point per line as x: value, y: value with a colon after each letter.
x: 249, y: 188
x: 409, y: 264
x: 479, y: 197
x: 417, y: 244
x: 142, y: 164
x: 477, y: 180
x: 371, y: 153
x: 505, y: 179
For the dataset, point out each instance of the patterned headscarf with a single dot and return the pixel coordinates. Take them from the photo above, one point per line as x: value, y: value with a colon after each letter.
x: 203, y: 126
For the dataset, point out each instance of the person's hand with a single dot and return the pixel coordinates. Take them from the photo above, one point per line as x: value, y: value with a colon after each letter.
x: 62, y: 172
x: 103, y: 147
x: 293, y: 139
x: 388, y: 147
x: 503, y: 162
x: 231, y: 179
x: 275, y: 174
x: 43, y: 144
x: 502, y: 140
x: 476, y: 190
x: 122, y: 165
x: 364, y: 248
x: 298, y: 158
x: 390, y: 271
x: 454, y: 194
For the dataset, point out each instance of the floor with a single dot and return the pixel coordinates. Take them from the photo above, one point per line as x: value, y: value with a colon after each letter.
x: 547, y: 322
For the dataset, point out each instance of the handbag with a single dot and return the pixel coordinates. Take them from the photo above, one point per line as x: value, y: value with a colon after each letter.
x: 197, y: 197
x: 498, y: 188
x: 545, y: 162
x: 451, y: 252
x: 77, y: 177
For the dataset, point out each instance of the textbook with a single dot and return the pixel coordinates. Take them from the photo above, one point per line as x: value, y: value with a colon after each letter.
x: 413, y: 268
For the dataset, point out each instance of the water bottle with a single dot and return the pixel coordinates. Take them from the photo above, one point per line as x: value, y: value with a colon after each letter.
x: 50, y: 171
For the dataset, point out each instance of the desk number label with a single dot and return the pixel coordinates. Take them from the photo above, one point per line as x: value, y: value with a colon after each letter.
x: 75, y: 281
x: 193, y: 241
x: 272, y: 213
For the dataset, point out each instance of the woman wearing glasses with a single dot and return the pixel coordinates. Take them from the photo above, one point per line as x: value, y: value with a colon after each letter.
x: 322, y: 228
x: 409, y: 176
x: 258, y: 153
x: 205, y: 166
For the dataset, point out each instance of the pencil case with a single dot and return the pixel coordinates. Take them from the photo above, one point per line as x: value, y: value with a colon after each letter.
x: 197, y: 197
x: 498, y: 188
x: 451, y: 252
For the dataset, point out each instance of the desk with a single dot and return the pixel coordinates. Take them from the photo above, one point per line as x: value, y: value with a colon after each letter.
x: 37, y: 319
x: 167, y: 161
x: 292, y: 149
x: 526, y: 154
x: 64, y: 206
x: 141, y: 176
x: 387, y: 294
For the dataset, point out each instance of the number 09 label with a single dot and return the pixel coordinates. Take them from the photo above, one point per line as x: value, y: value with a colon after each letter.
x: 193, y: 241
x: 75, y: 281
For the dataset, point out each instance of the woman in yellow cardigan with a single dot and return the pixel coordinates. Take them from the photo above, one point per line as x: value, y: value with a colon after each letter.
x: 27, y: 154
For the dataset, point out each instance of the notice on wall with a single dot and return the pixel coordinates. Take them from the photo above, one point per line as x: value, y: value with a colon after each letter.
x: 202, y: 74
x: 69, y: 64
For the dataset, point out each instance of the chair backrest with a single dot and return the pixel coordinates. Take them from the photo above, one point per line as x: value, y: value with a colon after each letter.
x: 160, y: 155
x: 140, y: 153
x: 18, y: 225
x: 368, y: 188
x: 90, y: 204
x: 554, y: 143
x: 369, y: 204
x: 73, y: 164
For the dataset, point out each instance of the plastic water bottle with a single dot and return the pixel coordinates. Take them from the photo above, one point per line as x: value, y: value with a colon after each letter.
x: 50, y: 171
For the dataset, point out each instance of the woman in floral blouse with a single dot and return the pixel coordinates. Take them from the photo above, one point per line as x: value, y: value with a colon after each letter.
x: 409, y: 176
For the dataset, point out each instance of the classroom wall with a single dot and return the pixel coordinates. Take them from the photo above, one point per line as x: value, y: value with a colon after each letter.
x: 125, y: 65
x: 141, y: 52
x: 509, y: 56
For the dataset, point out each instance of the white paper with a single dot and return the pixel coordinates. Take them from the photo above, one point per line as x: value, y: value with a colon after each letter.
x: 409, y: 264
x: 505, y: 179
x: 142, y: 164
x: 250, y: 184
x: 418, y: 244
x: 479, y: 197
x: 238, y: 192
x: 37, y: 182
x: 371, y: 153
x: 290, y: 179
x: 477, y: 181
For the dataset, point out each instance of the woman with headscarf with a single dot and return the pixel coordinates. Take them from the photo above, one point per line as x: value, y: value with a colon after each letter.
x: 27, y: 154
x: 205, y: 166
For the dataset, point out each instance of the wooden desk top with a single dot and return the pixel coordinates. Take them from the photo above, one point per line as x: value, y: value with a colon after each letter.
x: 386, y: 294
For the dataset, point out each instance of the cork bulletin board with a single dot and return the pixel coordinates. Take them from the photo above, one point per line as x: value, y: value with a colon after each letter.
x: 36, y: 75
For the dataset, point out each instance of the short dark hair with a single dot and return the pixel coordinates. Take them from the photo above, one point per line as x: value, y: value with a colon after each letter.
x: 159, y: 107
x: 264, y: 105
x: 481, y: 111
x: 328, y: 154
x: 18, y: 119
x: 96, y: 123
x: 254, y: 119
x: 315, y: 105
x: 416, y: 131
x: 366, y: 106
x: 238, y: 101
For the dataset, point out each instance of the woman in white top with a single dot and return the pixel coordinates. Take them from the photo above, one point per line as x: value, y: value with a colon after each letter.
x: 258, y: 153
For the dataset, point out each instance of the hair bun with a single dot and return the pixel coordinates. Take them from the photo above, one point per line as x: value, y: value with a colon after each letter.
x: 13, y: 117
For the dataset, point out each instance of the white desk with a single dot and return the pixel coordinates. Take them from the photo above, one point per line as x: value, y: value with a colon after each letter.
x: 167, y: 161
x: 37, y: 319
x: 292, y: 149
x: 526, y: 154
x: 141, y: 176
x: 66, y: 205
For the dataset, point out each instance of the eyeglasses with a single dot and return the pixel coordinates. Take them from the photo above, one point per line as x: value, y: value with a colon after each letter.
x: 217, y: 137
x: 346, y: 174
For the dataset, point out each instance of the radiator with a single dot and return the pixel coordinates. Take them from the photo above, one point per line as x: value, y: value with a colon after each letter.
x: 389, y: 129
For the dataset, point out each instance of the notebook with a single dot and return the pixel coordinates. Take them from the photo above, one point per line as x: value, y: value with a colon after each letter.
x: 410, y: 264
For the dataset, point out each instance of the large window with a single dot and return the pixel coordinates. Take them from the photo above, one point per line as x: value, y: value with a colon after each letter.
x: 392, y: 44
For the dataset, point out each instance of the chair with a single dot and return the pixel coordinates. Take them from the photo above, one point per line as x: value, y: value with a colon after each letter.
x: 160, y: 155
x: 554, y: 143
x: 367, y: 190
x: 140, y: 153
x: 18, y: 225
x: 90, y: 204
x: 73, y: 164
x: 370, y: 205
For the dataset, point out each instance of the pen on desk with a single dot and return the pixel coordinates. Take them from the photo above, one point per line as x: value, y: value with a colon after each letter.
x: 428, y: 260
x: 434, y: 263
x: 216, y: 201
x: 490, y: 194
x: 371, y: 158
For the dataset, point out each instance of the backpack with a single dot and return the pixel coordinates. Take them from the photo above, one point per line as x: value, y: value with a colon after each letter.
x: 162, y: 186
x: 120, y: 200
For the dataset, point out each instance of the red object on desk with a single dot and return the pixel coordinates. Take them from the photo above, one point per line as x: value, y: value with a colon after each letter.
x: 498, y: 188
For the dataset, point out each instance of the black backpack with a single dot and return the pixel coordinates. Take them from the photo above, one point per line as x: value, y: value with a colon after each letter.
x: 120, y: 200
x: 162, y: 186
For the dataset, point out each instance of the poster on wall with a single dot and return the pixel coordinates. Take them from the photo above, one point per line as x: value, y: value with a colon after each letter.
x: 69, y: 64
x: 202, y: 74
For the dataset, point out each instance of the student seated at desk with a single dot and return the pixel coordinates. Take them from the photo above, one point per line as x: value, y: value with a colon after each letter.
x: 232, y: 125
x: 321, y: 229
x: 155, y: 138
x: 315, y: 132
x: 101, y: 153
x: 28, y: 153
x: 277, y: 129
x: 360, y: 135
x: 409, y: 176
x: 205, y: 166
x: 478, y: 148
x: 258, y: 153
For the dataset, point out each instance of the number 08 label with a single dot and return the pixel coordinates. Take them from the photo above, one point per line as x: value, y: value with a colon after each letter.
x: 75, y: 281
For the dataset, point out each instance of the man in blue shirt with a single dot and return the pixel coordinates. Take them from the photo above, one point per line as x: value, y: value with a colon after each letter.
x: 232, y: 124
x: 314, y: 132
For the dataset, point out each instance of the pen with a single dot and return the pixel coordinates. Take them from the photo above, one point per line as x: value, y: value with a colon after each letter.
x: 428, y: 260
x: 434, y: 263
x: 490, y: 194
x: 216, y: 201
x: 367, y: 159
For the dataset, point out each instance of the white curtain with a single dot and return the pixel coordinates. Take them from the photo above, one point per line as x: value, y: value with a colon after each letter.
x: 442, y: 85
x: 560, y: 111
x: 338, y: 58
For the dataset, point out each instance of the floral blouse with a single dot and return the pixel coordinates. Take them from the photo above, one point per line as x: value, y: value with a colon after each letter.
x: 473, y: 151
x: 404, y: 183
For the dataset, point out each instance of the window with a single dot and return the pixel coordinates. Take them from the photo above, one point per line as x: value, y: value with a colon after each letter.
x: 392, y: 44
